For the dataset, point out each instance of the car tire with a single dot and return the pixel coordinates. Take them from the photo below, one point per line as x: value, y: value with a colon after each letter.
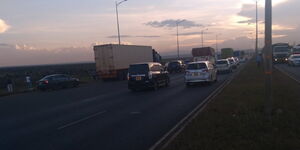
x: 167, y: 83
x: 188, y: 84
x: 155, y: 86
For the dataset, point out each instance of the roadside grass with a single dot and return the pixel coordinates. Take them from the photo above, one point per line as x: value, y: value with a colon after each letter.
x: 235, y: 119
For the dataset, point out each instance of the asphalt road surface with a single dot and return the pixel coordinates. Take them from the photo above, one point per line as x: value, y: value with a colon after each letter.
x: 293, y: 71
x: 102, y: 116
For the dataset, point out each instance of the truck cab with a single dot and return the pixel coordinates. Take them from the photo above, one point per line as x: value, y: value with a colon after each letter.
x: 281, y: 54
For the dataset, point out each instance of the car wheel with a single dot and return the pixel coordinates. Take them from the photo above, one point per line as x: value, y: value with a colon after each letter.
x: 155, y: 86
x: 167, y: 82
x: 188, y: 84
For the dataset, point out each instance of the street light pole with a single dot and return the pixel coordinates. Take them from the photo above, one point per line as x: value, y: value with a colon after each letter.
x: 118, y: 25
x: 268, y: 58
x: 202, y: 38
x: 177, y: 23
x: 256, y: 42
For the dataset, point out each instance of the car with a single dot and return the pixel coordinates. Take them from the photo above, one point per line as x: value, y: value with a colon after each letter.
x: 147, y: 75
x: 198, y: 72
x: 232, y: 63
x: 237, y: 60
x: 294, y: 60
x: 223, y: 65
x: 57, y: 81
x: 176, y: 66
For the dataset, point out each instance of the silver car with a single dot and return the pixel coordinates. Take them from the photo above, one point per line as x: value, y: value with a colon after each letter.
x: 224, y: 65
x: 202, y: 71
x: 294, y: 60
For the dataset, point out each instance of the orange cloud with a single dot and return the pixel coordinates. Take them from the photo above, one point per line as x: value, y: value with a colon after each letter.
x: 3, y: 26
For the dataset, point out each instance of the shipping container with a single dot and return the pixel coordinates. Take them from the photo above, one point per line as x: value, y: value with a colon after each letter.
x: 226, y: 53
x: 112, y: 61
x: 204, y: 54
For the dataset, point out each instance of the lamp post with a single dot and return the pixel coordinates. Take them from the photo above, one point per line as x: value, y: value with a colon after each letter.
x: 217, y: 36
x: 256, y: 40
x: 268, y: 58
x: 118, y: 25
x: 177, y: 23
x: 202, y: 38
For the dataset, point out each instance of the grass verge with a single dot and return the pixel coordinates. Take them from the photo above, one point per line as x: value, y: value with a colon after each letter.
x: 235, y: 120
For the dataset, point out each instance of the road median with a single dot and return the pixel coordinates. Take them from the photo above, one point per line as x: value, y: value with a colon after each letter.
x: 235, y: 119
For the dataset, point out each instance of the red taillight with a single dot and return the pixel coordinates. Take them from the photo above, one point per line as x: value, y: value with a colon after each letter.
x: 46, y: 81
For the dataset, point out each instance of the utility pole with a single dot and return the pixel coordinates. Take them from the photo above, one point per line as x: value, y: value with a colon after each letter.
x: 268, y: 64
x: 256, y: 42
x: 202, y: 38
x: 118, y: 25
x: 177, y: 23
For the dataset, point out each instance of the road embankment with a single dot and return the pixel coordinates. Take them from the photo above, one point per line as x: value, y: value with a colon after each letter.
x: 235, y: 119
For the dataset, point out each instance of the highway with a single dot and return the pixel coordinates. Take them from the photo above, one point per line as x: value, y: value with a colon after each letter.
x: 102, y: 116
x: 292, y: 71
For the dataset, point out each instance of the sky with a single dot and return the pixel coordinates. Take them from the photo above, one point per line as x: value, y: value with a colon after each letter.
x: 64, y: 31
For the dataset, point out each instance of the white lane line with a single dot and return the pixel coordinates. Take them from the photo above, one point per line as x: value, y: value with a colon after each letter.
x: 80, y: 120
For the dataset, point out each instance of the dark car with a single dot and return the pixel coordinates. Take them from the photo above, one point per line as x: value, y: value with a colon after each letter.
x: 175, y: 66
x: 57, y: 81
x: 147, y: 75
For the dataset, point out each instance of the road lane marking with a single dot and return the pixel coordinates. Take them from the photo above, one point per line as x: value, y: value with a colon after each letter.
x: 80, y: 120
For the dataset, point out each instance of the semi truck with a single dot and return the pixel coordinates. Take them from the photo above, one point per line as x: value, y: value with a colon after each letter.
x: 226, y: 53
x: 204, y: 54
x: 281, y: 52
x: 112, y: 61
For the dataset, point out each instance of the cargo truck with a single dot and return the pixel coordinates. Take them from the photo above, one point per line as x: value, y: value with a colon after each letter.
x: 281, y: 52
x: 112, y: 61
x: 226, y: 53
x: 204, y: 54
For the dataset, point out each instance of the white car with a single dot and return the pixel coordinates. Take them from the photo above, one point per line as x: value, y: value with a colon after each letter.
x: 202, y: 71
x: 233, y: 63
x: 223, y: 65
x: 294, y: 60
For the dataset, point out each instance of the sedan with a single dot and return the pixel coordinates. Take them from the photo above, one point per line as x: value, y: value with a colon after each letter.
x: 57, y: 81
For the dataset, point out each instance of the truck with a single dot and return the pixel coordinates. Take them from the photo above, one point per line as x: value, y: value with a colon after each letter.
x: 226, y: 53
x: 112, y: 60
x: 281, y: 52
x: 204, y: 54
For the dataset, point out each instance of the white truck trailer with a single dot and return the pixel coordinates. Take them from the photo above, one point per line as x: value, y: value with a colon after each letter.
x: 112, y: 61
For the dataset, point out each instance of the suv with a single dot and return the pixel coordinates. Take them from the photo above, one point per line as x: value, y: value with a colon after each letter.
x: 294, y: 60
x: 223, y: 65
x: 175, y: 66
x: 202, y: 71
x: 147, y: 75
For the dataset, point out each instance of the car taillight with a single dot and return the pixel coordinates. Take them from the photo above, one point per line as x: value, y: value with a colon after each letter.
x: 46, y: 81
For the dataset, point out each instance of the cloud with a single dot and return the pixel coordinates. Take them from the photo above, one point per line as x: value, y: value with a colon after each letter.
x: 115, y: 36
x: 3, y: 26
x: 132, y: 36
x: 171, y: 23
x: 193, y: 33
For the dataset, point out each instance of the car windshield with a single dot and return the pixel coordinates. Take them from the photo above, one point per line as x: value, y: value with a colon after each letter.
x: 139, y: 68
x: 281, y: 49
x: 296, y: 50
x: 221, y: 62
x: 196, y: 66
x: 295, y: 57
x: 173, y: 64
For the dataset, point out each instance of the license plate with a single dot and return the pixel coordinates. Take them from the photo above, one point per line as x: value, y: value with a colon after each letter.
x: 138, y: 78
x: 195, y: 74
